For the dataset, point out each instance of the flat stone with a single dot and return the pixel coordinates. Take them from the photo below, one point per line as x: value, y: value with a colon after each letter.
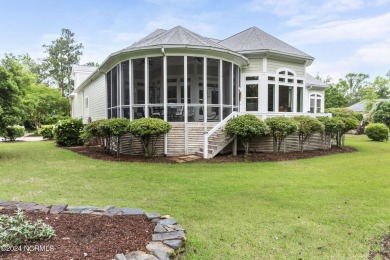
x: 140, y: 255
x: 168, y: 221
x: 159, y: 229
x: 25, y: 205
x: 175, y: 244
x: 161, y: 255
x: 165, y: 216
x: 56, y: 209
x: 155, y: 220
x: 159, y: 246
x: 40, y: 208
x: 9, y: 204
x: 112, y: 212
x: 131, y: 211
x: 120, y: 257
x: 168, y: 236
x: 176, y: 227
x: 152, y: 215
x: 79, y: 209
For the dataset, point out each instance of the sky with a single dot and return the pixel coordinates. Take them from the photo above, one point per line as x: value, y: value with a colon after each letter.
x: 342, y: 35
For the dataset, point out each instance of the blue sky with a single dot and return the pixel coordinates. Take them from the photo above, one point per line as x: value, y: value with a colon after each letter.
x: 343, y: 35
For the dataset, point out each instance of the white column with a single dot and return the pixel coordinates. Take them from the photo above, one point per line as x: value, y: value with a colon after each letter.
x: 146, y: 87
x: 220, y: 90
x: 131, y: 89
x: 231, y: 88
x: 120, y: 90
x: 185, y: 106
x: 265, y: 64
x: 205, y: 93
x: 165, y: 86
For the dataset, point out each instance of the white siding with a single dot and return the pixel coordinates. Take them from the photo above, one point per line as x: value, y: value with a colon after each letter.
x: 255, y: 66
x: 77, y: 105
x: 96, y: 93
x: 274, y: 65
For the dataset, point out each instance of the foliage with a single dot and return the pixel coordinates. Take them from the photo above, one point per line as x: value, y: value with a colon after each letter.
x: 62, y: 54
x: 17, y: 230
x: 92, y: 64
x: 377, y: 132
x: 381, y: 113
x: 68, y: 132
x: 307, y: 126
x: 147, y: 130
x: 46, y: 131
x: 40, y: 101
x: 281, y: 127
x: 9, y: 98
x: 12, y: 132
x: 345, y: 112
x: 245, y: 128
x: 334, y: 97
x: 92, y: 132
x: 53, y: 119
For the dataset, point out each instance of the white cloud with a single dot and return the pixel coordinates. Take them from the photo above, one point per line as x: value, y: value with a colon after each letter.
x: 376, y: 54
x: 364, y: 29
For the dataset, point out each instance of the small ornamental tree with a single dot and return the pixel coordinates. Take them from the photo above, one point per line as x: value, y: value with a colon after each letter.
x: 68, y: 132
x: 245, y: 128
x: 117, y: 127
x: 381, y: 114
x: 350, y: 123
x: 377, y: 132
x: 345, y: 112
x: 147, y: 130
x: 92, y: 131
x: 281, y: 127
x: 333, y: 127
x: 307, y: 126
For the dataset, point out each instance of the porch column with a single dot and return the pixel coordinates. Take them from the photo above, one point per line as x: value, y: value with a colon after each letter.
x: 131, y: 89
x: 185, y: 106
x: 146, y: 87
x: 165, y: 96
x: 220, y: 90
x: 205, y: 93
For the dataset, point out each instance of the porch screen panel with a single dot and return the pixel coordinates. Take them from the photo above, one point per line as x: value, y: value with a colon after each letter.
x: 195, y: 80
x: 109, y: 89
x: 138, y: 88
x: 175, y: 72
x: 227, y: 83
x: 156, y: 91
x: 114, y: 76
x: 125, y: 80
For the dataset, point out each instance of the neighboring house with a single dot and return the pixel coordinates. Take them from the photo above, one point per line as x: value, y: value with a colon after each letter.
x: 361, y: 106
x: 198, y: 84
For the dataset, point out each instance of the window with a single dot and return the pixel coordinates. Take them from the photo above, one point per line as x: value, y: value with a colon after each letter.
x: 252, y: 97
x: 315, y: 103
x: 285, y: 98
x: 252, y: 78
x: 271, y: 97
x: 299, y: 99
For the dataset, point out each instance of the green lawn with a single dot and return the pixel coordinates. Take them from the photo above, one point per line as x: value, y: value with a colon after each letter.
x: 321, y: 208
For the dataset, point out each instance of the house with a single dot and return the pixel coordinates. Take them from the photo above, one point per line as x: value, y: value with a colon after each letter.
x: 198, y: 84
x: 360, y: 107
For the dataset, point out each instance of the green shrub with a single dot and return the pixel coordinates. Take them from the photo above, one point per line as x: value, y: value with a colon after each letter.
x: 52, y: 120
x: 12, y: 132
x: 46, y: 131
x: 333, y: 127
x: 91, y: 132
x: 381, y: 114
x: 16, y: 230
x: 377, y: 132
x: 68, y: 132
x: 280, y: 127
x: 345, y: 112
x: 114, y: 128
x: 307, y: 126
x: 245, y: 128
x: 147, y: 130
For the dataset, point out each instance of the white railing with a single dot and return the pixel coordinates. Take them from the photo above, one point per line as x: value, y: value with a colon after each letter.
x: 265, y: 115
x: 212, y: 131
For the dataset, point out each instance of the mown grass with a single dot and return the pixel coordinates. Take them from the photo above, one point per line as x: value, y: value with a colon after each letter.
x: 328, y: 207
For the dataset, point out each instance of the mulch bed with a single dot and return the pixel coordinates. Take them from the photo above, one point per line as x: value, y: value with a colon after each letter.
x: 384, y: 252
x: 86, y: 236
x: 97, y: 152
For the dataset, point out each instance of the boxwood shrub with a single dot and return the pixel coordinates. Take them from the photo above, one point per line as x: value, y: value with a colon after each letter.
x: 68, y: 132
x: 377, y: 132
x: 46, y: 132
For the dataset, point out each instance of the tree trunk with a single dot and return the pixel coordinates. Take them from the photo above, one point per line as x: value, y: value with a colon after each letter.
x: 275, y: 143
x: 235, y: 147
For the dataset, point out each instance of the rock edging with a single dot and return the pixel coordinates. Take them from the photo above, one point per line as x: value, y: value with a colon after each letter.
x: 168, y: 239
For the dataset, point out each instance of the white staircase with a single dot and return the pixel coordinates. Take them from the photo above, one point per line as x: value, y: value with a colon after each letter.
x: 215, y: 139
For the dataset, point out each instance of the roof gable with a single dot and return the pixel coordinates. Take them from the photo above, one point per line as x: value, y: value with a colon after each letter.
x: 175, y: 36
x: 254, y: 39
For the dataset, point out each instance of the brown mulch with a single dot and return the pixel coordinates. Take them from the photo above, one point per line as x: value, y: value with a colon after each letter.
x: 384, y: 252
x: 97, y: 152
x: 84, y: 236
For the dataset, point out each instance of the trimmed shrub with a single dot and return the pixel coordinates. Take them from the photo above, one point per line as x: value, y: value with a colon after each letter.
x: 12, y: 132
x: 114, y: 128
x: 46, y: 131
x: 345, y: 112
x: 307, y: 126
x: 68, y: 132
x: 281, y: 127
x: 17, y: 230
x: 333, y: 127
x: 377, y: 132
x: 91, y: 133
x: 147, y: 130
x: 245, y: 128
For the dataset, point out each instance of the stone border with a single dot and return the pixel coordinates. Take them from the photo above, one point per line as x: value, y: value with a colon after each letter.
x: 168, y: 239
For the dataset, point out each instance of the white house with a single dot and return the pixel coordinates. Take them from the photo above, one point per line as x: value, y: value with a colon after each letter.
x: 198, y: 84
